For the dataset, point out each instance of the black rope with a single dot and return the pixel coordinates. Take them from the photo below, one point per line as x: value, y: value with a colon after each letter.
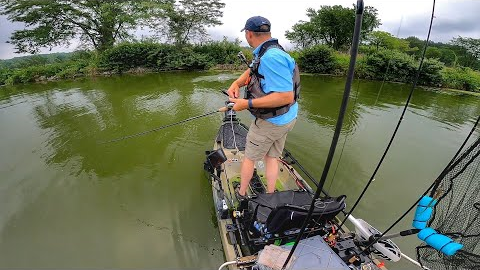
x: 399, y: 121
x: 341, y: 115
x: 159, y: 128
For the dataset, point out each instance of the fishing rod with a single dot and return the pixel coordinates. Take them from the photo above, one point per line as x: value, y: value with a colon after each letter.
x: 222, y: 109
x: 338, y: 127
x: 242, y: 58
x: 407, y: 103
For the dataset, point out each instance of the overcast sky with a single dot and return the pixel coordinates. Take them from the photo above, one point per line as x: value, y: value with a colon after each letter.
x: 411, y: 17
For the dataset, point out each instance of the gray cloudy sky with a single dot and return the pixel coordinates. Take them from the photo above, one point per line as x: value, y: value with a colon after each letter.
x: 452, y: 18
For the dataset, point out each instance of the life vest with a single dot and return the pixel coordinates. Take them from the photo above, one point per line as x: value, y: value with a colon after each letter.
x: 254, y: 87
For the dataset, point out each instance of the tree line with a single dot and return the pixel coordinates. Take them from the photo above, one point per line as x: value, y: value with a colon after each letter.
x: 101, y: 24
x: 333, y: 26
x: 179, y: 40
x: 325, y: 37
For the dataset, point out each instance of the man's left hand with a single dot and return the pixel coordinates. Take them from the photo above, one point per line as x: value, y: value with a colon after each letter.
x: 240, y: 104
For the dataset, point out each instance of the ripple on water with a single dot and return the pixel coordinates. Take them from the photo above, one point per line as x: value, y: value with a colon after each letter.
x: 164, y: 102
x: 216, y: 78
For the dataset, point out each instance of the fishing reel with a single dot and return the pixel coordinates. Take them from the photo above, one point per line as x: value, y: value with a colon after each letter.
x: 229, y: 105
x: 230, y: 115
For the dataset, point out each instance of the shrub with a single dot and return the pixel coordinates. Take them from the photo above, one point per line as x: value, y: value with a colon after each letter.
x: 33, y: 73
x: 129, y: 55
x: 248, y: 54
x: 184, y: 58
x: 4, y: 74
x: 430, y: 73
x: 393, y: 65
x: 461, y: 78
x: 169, y: 57
x: 294, y: 54
x: 342, y: 61
x: 317, y: 59
x: 219, y: 52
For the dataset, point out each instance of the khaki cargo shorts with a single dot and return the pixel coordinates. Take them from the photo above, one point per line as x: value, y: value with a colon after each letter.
x: 265, y: 138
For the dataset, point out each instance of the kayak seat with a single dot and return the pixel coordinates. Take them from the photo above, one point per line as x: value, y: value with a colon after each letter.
x: 286, y: 210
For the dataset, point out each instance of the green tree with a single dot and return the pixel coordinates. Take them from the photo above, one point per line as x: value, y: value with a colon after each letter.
x: 381, y: 39
x: 472, y: 48
x: 415, y: 44
x: 472, y: 45
x: 433, y: 52
x: 331, y: 25
x: 448, y: 57
x: 303, y: 35
x: 187, y: 20
x: 97, y: 23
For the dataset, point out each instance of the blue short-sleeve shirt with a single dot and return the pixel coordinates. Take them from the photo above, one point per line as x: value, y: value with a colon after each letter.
x: 277, y: 68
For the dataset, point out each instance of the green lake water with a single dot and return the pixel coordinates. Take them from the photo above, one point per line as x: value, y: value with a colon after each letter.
x: 68, y: 201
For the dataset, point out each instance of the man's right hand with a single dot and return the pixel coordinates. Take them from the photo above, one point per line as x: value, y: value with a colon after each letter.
x: 234, y: 90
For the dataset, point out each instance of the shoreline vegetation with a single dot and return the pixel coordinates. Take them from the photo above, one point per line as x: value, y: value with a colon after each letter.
x: 178, y: 39
x: 147, y: 57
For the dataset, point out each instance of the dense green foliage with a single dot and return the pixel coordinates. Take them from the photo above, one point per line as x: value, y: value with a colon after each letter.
x: 187, y: 20
x: 34, y: 60
x: 391, y: 65
x: 97, y: 23
x: 168, y: 57
x: 317, y: 59
x: 400, y: 67
x: 373, y: 63
x: 123, y: 58
x: 459, y: 51
x: 322, y: 43
x: 381, y: 39
x: 331, y: 25
x: 461, y: 78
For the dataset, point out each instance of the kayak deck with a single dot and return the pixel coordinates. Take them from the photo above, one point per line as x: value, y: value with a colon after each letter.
x: 241, y: 242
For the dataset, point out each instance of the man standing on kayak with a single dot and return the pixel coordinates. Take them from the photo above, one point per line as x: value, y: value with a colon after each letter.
x: 273, y: 85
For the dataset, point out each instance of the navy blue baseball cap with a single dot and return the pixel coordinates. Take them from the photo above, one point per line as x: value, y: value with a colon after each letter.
x: 255, y: 24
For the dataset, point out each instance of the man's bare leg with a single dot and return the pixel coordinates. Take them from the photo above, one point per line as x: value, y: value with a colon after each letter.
x: 246, y: 175
x: 271, y: 173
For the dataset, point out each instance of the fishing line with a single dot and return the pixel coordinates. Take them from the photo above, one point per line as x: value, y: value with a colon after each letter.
x: 175, y: 234
x: 165, y: 126
x: 417, y: 75
x: 450, y: 164
x: 346, y: 135
x: 388, y: 66
x: 453, y: 162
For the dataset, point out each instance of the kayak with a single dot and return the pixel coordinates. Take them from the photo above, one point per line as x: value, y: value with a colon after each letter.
x: 258, y: 232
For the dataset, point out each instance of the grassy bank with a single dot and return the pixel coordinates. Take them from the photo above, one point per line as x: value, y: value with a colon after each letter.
x: 154, y: 57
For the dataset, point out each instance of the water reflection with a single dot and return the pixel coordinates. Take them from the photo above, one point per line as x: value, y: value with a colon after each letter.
x: 145, y: 200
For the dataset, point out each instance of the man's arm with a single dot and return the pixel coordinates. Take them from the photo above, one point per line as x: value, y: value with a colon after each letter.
x: 272, y: 100
x: 278, y: 84
x: 234, y: 89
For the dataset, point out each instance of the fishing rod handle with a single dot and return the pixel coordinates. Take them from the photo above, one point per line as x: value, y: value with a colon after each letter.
x: 227, y: 108
x: 242, y: 58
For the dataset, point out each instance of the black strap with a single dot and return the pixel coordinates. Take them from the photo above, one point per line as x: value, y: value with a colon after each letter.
x: 268, y: 45
x: 265, y: 47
